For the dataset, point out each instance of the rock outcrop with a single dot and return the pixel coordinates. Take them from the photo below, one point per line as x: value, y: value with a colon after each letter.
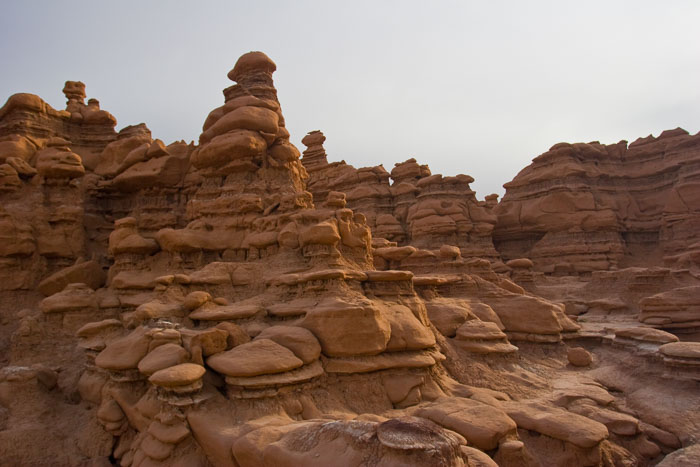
x: 232, y: 303
x: 588, y: 206
x: 417, y: 209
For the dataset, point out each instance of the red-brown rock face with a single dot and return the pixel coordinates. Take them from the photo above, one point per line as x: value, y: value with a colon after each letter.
x: 416, y: 209
x: 584, y: 207
x: 26, y: 121
x: 222, y: 303
x: 44, y: 155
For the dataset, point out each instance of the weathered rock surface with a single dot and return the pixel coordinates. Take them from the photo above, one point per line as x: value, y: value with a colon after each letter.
x: 578, y: 356
x: 557, y: 423
x: 481, y: 425
x: 417, y: 209
x: 230, y: 303
x: 675, y: 309
x: 588, y: 206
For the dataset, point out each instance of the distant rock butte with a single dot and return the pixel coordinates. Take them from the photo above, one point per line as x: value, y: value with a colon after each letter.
x: 235, y: 302
x: 588, y: 206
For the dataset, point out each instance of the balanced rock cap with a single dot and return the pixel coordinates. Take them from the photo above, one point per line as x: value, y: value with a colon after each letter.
x: 74, y: 90
x: 252, y: 61
x: 313, y: 138
x: 178, y: 375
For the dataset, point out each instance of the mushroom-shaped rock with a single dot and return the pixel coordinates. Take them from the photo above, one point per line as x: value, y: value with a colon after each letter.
x: 313, y: 138
x: 74, y: 297
x: 74, y: 92
x: 252, y: 62
x: 524, y: 315
x: 184, y: 374
x: 163, y: 356
x: 346, y: 329
x: 126, y: 352
x: 259, y: 357
x: 299, y: 340
x: 298, y: 375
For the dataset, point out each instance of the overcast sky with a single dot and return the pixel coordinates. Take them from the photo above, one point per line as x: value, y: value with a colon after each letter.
x: 465, y: 86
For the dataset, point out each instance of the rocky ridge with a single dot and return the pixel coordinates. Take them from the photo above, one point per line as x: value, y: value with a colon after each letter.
x: 230, y: 303
x: 588, y: 207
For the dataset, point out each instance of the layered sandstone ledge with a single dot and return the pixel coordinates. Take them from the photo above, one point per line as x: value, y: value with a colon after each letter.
x: 232, y: 303
x: 409, y: 206
x: 589, y: 207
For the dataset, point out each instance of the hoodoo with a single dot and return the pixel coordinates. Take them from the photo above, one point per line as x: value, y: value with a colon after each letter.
x: 232, y: 303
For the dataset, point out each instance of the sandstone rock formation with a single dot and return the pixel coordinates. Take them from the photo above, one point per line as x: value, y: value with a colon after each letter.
x: 587, y: 206
x: 417, y: 209
x: 232, y: 303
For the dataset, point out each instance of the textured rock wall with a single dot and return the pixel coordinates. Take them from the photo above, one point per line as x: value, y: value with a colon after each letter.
x: 585, y: 207
x: 417, y: 209
x: 43, y: 154
x: 222, y: 303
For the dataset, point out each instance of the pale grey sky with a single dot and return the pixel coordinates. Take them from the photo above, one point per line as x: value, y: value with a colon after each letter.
x: 470, y: 87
